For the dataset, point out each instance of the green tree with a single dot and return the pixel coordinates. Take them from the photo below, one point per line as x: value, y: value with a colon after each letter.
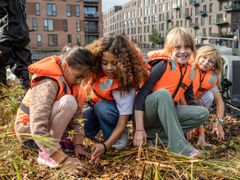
x: 154, y: 37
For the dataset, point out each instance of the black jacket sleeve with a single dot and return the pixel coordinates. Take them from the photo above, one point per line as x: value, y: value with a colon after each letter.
x: 156, y: 73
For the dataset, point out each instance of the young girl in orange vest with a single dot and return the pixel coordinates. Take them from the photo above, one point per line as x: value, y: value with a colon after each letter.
x: 49, y: 106
x: 208, y: 70
x: 157, y: 108
x: 120, y: 70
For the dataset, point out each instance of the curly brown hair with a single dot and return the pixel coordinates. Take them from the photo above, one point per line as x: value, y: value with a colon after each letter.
x: 131, y: 69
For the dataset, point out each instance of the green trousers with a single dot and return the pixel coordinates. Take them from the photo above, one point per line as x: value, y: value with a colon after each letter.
x: 170, y: 122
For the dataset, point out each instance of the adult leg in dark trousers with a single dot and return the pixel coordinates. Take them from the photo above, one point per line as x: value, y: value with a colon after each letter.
x: 18, y: 60
x: 19, y: 64
x: 14, y: 38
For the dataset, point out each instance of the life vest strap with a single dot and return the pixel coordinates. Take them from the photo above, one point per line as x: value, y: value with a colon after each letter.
x: 200, y: 89
x: 98, y: 95
x: 24, y: 108
x: 184, y: 86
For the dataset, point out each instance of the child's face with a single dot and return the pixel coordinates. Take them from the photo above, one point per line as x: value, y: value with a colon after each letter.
x: 181, y: 53
x: 207, y: 62
x: 109, y: 65
x: 73, y: 76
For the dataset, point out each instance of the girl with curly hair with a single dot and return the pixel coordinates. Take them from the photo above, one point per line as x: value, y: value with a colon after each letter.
x: 157, y: 106
x: 120, y: 70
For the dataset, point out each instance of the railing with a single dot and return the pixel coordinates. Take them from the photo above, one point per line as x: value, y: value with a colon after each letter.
x: 195, y: 2
x: 168, y: 18
x: 91, y: 1
x: 232, y: 8
x: 187, y: 15
x: 91, y: 29
x: 220, y: 21
x: 194, y: 25
x: 203, y: 12
x: 176, y: 6
x: 95, y: 15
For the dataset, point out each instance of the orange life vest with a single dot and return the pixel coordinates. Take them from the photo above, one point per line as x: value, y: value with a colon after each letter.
x: 49, y: 68
x: 102, y: 89
x: 203, y: 82
x: 176, y: 78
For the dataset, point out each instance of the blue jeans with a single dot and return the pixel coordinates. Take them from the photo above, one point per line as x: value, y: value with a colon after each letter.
x: 103, y: 115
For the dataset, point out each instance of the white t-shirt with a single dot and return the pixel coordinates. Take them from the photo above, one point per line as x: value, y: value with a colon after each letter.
x: 124, y: 101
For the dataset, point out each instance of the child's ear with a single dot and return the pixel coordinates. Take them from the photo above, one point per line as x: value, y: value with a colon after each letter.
x: 64, y: 65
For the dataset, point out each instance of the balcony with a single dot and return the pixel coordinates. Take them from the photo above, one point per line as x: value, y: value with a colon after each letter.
x: 176, y: 7
x: 195, y: 2
x: 89, y: 29
x: 187, y: 15
x: 91, y: 15
x: 91, y: 1
x: 203, y: 13
x: 226, y: 34
x: 168, y: 19
x: 194, y: 25
x: 221, y: 21
x: 232, y: 8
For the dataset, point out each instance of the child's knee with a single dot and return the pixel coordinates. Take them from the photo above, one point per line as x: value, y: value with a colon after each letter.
x: 208, y: 99
x: 69, y: 102
x: 203, y: 114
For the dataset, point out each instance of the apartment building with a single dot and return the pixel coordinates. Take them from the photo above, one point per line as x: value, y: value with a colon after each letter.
x: 55, y: 23
x: 204, y: 18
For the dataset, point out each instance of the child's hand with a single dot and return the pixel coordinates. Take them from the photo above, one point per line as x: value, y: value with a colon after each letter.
x: 97, y: 151
x: 140, y: 138
x: 217, y: 129
x: 73, y: 166
x: 79, y: 151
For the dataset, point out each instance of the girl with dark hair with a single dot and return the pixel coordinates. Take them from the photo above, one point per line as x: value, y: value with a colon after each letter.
x: 119, y: 72
x: 49, y: 106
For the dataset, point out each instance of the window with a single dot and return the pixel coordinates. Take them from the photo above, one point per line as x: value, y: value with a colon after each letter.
x: 78, y: 40
x: 78, y: 25
x: 48, y: 25
x: 68, y: 10
x: 51, y: 9
x: 77, y: 10
x: 52, y: 40
x: 220, y: 6
x: 210, y: 20
x: 210, y: 8
x: 203, y: 21
x: 89, y: 39
x: 90, y: 12
x: 37, y: 9
x: 65, y: 25
x: 34, y: 24
x: 69, y: 39
x: 39, y: 39
x: 204, y: 31
x: 92, y: 27
x: 210, y: 31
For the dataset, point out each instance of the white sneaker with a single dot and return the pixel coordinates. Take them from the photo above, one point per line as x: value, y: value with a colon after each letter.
x: 122, y: 141
x: 45, y: 160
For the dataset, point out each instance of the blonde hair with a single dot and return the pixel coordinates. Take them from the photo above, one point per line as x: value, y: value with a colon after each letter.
x: 176, y: 36
x: 209, y: 50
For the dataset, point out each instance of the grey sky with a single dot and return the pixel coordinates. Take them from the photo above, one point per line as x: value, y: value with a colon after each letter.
x: 106, y: 4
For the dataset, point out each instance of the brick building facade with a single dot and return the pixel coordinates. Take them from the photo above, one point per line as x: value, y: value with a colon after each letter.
x: 55, y: 23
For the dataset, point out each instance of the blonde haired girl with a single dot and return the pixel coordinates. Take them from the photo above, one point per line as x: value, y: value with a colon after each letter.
x: 208, y: 70
x: 157, y: 109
